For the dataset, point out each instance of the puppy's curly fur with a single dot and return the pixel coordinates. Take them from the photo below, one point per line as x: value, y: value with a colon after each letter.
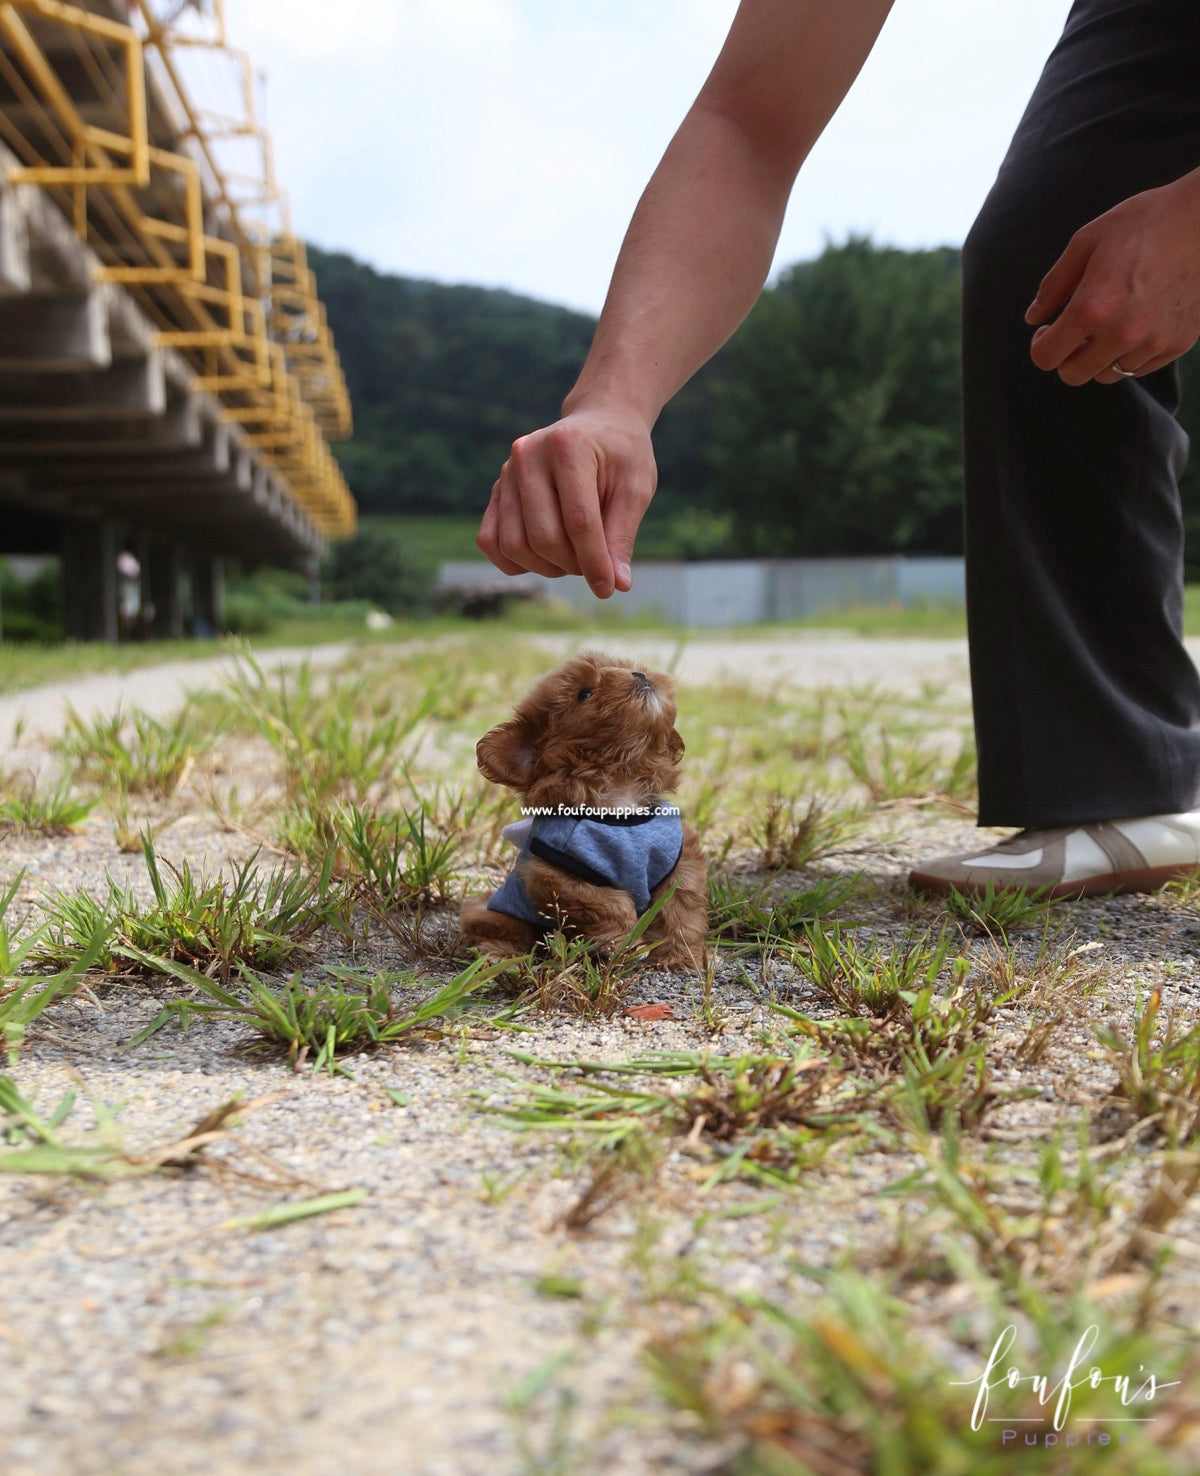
x: 593, y: 735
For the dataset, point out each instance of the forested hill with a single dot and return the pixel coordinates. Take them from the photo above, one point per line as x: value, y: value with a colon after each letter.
x: 829, y: 424
x: 443, y: 378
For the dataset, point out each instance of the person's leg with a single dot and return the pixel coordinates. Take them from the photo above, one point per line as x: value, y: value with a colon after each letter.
x: 1087, y: 706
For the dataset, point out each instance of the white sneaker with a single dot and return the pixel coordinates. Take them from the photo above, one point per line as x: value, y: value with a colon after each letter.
x: 1138, y: 855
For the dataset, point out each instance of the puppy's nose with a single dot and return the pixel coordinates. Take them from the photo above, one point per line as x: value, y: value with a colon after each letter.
x: 641, y: 677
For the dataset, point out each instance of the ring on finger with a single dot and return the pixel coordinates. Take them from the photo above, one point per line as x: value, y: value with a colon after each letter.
x: 1124, y: 373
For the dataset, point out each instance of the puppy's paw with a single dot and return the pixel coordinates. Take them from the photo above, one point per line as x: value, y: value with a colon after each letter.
x: 495, y: 935
x: 676, y: 957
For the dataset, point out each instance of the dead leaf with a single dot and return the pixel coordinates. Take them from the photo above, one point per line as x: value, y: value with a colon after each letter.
x: 650, y: 1012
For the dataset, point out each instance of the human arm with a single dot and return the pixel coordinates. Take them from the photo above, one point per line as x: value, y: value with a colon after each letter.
x: 1126, y: 289
x: 571, y: 496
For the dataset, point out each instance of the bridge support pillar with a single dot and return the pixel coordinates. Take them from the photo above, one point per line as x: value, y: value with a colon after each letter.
x: 208, y: 594
x: 162, y: 589
x: 89, y: 560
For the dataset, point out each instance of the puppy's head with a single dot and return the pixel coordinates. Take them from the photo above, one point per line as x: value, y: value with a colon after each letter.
x: 596, y: 731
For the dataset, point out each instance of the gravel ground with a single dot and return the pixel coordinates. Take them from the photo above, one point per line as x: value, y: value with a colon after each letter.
x: 145, y: 1334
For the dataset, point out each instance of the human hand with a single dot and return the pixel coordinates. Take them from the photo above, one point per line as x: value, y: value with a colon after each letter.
x: 569, y: 500
x: 1128, y: 286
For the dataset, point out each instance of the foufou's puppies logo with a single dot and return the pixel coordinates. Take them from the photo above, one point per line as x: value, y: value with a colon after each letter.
x: 1134, y: 1392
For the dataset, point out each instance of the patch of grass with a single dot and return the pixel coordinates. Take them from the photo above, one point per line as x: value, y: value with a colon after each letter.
x: 753, y: 917
x: 24, y: 805
x: 1177, y: 1182
x: 471, y: 816
x: 891, y: 768
x: 36, y: 1145
x: 573, y: 975
x: 608, y: 1116
x: 925, y: 619
x: 547, y: 1443
x: 345, y: 1012
x: 1053, y: 1227
x: 133, y: 753
x: 190, y: 1342
x: 872, y: 978
x: 1158, y: 1069
x: 214, y: 925
x: 23, y: 1000
x: 330, y: 750
x: 25, y: 995
x: 755, y: 1092
x: 790, y: 833
x: 1055, y: 973
x: 953, y: 1084
x: 396, y: 858
x: 760, y: 1116
x: 613, y: 1178
x: 1052, y: 979
x: 1001, y: 909
x: 894, y: 1020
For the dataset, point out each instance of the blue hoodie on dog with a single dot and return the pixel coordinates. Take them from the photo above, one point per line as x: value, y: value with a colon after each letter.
x: 633, y: 853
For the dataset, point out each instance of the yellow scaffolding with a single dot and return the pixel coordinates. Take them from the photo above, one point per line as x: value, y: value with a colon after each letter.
x: 103, y: 121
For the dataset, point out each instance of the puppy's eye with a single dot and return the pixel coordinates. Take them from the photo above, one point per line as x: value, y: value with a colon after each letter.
x: 583, y: 694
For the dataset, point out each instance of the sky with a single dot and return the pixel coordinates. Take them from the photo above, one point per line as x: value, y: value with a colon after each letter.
x: 506, y: 142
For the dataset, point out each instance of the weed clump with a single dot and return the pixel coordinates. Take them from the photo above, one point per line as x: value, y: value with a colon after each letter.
x: 133, y: 753
x: 24, y: 994
x: 213, y: 925
x: 25, y: 805
x: 749, y: 917
x: 334, y: 744
x: 1158, y: 1070
x: 396, y: 860
x: 344, y: 1012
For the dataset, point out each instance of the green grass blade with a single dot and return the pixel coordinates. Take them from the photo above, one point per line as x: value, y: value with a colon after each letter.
x: 287, y: 1214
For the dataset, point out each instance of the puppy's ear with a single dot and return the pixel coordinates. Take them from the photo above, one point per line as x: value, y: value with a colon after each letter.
x: 675, y: 744
x: 505, y: 754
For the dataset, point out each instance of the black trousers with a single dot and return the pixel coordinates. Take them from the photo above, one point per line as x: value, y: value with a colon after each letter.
x: 1087, y: 706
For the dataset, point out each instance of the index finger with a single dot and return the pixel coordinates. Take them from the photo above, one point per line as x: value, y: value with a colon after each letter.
x: 579, y: 504
x: 1060, y: 282
x: 487, y: 540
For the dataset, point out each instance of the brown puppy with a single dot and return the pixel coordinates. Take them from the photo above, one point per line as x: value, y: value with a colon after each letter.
x: 593, y: 750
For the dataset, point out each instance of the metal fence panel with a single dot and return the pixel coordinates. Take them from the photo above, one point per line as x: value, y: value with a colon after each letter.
x: 722, y: 592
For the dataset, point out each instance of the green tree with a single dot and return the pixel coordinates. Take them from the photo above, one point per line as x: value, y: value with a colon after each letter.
x: 837, y: 415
